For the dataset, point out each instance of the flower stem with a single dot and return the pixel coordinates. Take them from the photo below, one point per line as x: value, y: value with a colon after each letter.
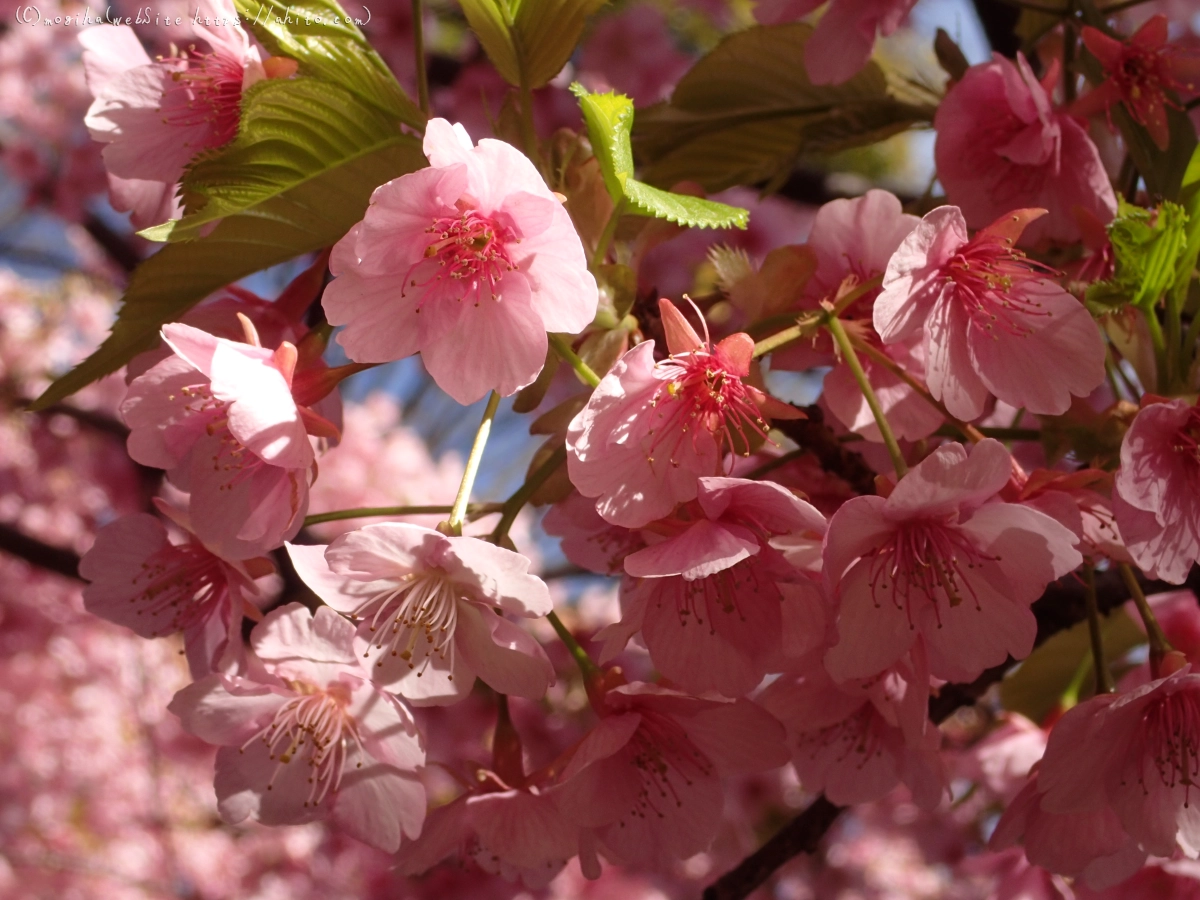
x: 528, y: 132
x: 419, y: 53
x: 606, y: 236
x: 973, y: 434
x: 806, y: 323
x: 363, y: 512
x: 459, y: 510
x: 514, y: 504
x: 851, y: 359
x: 1160, y: 350
x: 1159, y: 645
x: 569, y: 356
x: 1104, y: 682
x: 588, y: 668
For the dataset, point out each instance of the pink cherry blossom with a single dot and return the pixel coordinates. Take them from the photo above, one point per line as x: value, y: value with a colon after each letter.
x: 1156, y: 493
x: 1135, y: 755
x: 844, y: 37
x: 716, y: 604
x: 1089, y: 844
x: 647, y: 778
x: 937, y: 562
x: 309, y: 737
x: 1138, y: 73
x: 143, y: 581
x: 518, y: 833
x: 219, y: 416
x: 854, y: 239
x: 426, y: 609
x: 155, y: 116
x: 856, y: 741
x: 652, y: 428
x: 1002, y: 146
x: 994, y: 321
x: 1079, y: 501
x: 468, y: 262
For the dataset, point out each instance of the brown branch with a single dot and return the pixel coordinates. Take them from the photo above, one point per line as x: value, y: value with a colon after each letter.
x: 814, y: 435
x: 801, y: 835
x: 46, y: 556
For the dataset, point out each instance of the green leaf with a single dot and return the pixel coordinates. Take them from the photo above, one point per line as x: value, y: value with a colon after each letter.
x: 313, y: 215
x: 1149, y: 246
x: 530, y: 38
x: 301, y: 134
x: 491, y: 20
x: 609, y: 119
x: 309, y: 152
x: 324, y: 40
x: 746, y: 112
x: 682, y: 209
x: 1038, y: 684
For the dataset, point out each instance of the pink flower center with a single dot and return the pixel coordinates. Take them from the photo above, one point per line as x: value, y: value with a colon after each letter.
x: 422, y: 607
x: 988, y: 278
x: 1170, y: 736
x: 1187, y: 438
x: 1143, y: 76
x: 186, y: 581
x: 854, y: 738
x: 728, y: 592
x: 702, y: 398
x: 664, y: 760
x: 314, y: 725
x: 926, y: 561
x: 206, y: 90
x: 471, y: 251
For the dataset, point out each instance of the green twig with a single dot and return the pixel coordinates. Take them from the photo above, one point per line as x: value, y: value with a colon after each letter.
x: 474, y: 510
x: 970, y: 432
x: 1104, y: 680
x: 563, y: 348
x: 459, y: 510
x: 606, y: 236
x: 586, y: 666
x: 1159, y: 645
x: 851, y: 359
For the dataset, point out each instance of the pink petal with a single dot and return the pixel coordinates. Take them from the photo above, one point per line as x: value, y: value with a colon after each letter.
x: 226, y: 712
x: 507, y: 658
x: 702, y: 550
x: 498, y: 345
x: 948, y: 479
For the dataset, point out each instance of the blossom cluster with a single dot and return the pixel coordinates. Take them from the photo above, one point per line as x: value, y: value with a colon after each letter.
x: 765, y: 604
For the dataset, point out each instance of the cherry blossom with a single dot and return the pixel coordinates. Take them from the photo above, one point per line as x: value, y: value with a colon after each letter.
x: 937, y: 562
x: 852, y: 242
x: 155, y: 116
x: 652, y: 428
x: 468, y: 262
x: 1138, y: 73
x: 143, y: 581
x: 426, y: 609
x: 994, y: 321
x: 844, y: 37
x: 717, y: 605
x: 1002, y: 146
x: 1155, y: 494
x: 308, y: 737
x: 1126, y: 763
x: 220, y: 417
x: 858, y: 740
x: 646, y: 779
